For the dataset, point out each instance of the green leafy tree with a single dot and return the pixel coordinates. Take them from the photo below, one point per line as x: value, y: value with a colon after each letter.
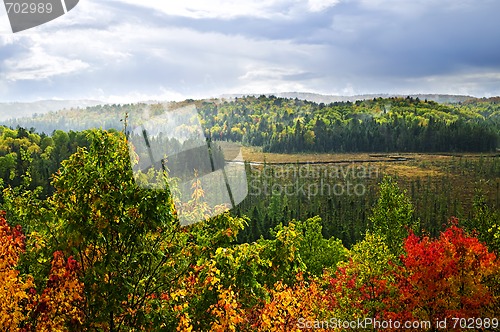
x: 126, y: 238
x: 316, y: 252
x: 392, y: 216
x: 485, y: 221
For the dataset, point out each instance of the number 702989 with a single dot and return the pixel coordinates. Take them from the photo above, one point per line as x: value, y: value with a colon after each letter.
x: 28, y: 8
x: 475, y: 323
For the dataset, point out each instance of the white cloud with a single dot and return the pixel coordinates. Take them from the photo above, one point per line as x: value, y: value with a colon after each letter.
x: 413, y: 8
x: 134, y: 60
x: 4, y: 22
x: 112, y: 51
x: 38, y: 65
x: 8, y: 39
x: 262, y: 79
x: 475, y: 83
x: 229, y: 9
x: 222, y: 9
x: 163, y: 94
x: 262, y: 73
x: 319, y: 5
x: 267, y: 86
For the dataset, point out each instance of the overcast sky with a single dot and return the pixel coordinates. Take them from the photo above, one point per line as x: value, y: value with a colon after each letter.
x: 131, y: 50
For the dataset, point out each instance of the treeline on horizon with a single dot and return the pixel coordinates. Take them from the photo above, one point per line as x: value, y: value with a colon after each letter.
x: 292, y: 125
x: 378, y: 125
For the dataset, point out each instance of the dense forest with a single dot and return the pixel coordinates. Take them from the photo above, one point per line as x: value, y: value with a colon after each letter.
x: 293, y: 125
x: 394, y: 124
x: 100, y: 253
x: 83, y: 247
x: 344, y: 216
x: 24, y: 152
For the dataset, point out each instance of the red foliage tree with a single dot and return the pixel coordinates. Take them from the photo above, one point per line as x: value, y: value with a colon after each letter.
x: 446, y: 277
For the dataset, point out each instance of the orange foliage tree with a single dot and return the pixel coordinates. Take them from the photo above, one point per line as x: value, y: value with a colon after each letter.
x: 14, y: 292
x: 59, y: 305
x: 291, y: 308
x: 21, y: 307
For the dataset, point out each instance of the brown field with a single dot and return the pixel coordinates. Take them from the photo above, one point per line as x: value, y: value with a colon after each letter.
x: 255, y: 154
x: 464, y: 172
x: 401, y: 164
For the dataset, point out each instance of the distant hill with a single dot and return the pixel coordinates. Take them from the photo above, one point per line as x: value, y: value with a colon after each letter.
x: 225, y: 112
x: 326, y: 99
x: 16, y: 110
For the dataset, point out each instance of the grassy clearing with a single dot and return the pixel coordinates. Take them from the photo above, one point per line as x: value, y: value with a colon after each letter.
x: 401, y: 164
x: 457, y: 176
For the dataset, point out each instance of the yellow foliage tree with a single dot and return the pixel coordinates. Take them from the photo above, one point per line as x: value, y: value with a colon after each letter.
x: 291, y: 306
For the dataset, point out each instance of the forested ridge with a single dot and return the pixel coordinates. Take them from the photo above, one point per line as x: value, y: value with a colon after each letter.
x: 293, y: 125
x: 393, y: 124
